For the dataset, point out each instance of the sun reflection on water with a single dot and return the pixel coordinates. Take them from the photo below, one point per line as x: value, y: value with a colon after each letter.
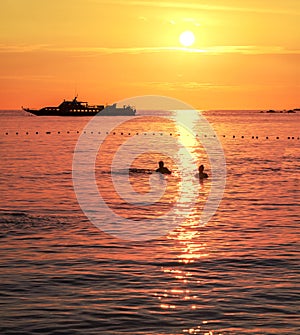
x: 182, y: 294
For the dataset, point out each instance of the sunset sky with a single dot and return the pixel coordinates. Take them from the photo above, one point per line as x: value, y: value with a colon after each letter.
x: 245, y: 54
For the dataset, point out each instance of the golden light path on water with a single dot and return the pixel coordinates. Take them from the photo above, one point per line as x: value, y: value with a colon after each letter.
x: 183, y: 295
x: 198, y: 135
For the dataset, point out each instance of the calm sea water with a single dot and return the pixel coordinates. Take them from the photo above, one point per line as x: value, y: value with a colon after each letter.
x: 237, y: 274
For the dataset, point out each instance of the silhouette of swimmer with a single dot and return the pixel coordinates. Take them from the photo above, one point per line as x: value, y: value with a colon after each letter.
x: 162, y: 169
x: 202, y: 175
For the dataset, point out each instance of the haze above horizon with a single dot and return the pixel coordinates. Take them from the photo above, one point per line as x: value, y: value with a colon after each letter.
x: 243, y: 55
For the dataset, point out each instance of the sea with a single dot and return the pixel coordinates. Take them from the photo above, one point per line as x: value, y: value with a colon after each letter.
x: 94, y: 241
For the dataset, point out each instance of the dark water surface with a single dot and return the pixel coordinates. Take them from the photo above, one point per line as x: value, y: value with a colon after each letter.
x: 238, y: 274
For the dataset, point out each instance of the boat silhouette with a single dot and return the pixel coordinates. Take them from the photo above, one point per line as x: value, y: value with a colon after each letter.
x: 80, y: 108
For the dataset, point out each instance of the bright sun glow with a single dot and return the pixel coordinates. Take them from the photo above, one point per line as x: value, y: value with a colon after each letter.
x: 187, y: 38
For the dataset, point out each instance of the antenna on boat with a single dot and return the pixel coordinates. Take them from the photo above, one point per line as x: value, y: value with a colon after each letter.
x: 75, y: 92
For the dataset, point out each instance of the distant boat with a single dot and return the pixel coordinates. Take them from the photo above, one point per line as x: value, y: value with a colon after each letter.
x: 80, y: 108
x: 280, y: 111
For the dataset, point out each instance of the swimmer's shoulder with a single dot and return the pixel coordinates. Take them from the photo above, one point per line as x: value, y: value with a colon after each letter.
x: 164, y: 170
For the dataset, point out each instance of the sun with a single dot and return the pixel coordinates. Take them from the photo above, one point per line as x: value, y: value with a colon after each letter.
x: 187, y: 38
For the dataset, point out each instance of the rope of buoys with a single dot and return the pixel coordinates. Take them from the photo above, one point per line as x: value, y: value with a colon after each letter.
x: 154, y: 134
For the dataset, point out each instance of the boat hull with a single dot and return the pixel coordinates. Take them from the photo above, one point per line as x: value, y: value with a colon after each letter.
x: 78, y: 113
x: 42, y: 112
x: 98, y: 112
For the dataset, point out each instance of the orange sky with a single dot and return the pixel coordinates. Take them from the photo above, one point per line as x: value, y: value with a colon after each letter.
x: 246, y: 53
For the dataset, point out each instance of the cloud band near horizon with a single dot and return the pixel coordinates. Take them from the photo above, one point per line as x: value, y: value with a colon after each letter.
x: 215, y: 50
